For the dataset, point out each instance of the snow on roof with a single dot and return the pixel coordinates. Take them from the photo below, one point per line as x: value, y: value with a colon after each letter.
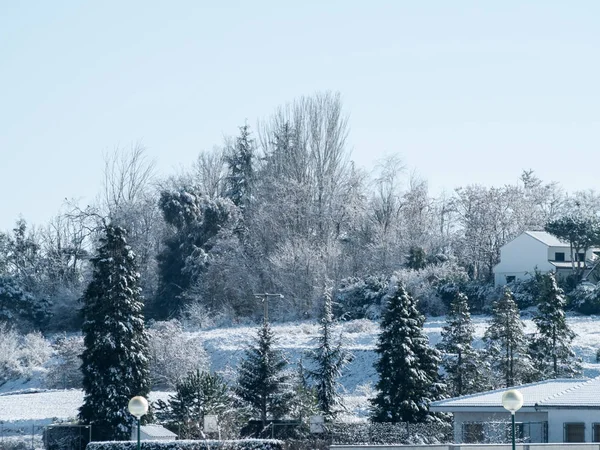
x: 547, y: 238
x: 582, y: 396
x: 534, y: 393
x: 156, y: 431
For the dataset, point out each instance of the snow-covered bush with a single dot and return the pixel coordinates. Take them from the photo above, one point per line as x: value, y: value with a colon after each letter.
x: 64, y: 370
x: 173, y: 354
x: 390, y: 433
x: 195, y: 315
x: 359, y: 298
x: 21, y: 354
x: 241, y: 444
x: 585, y: 298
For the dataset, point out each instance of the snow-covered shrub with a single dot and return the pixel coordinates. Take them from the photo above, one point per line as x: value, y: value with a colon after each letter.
x: 359, y: 298
x: 195, y: 316
x: 585, y: 298
x: 390, y: 433
x: 21, y: 354
x: 240, y: 444
x: 173, y: 354
x: 64, y: 370
x: 360, y: 326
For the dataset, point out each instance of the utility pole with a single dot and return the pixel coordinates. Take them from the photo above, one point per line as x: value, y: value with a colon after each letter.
x: 265, y: 299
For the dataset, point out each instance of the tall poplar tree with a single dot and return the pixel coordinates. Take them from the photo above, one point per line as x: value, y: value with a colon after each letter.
x: 407, y: 365
x: 465, y: 370
x: 115, y: 358
x: 506, y: 344
x: 551, y: 349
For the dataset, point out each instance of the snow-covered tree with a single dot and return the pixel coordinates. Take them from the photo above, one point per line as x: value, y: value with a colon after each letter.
x: 407, y: 365
x: 196, y: 395
x: 115, y: 358
x: 262, y: 381
x: 464, y: 367
x: 506, y: 343
x: 240, y: 165
x: 551, y: 349
x: 329, y: 359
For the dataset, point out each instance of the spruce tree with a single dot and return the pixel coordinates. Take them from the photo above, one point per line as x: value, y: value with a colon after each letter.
x: 506, y: 343
x: 329, y: 359
x: 240, y: 164
x: 262, y: 381
x: 464, y: 368
x: 115, y: 357
x: 551, y: 349
x: 407, y: 365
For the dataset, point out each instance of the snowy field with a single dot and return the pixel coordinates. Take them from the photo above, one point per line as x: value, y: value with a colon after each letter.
x: 23, y: 404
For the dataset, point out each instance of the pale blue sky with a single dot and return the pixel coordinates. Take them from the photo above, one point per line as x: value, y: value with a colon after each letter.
x: 465, y: 91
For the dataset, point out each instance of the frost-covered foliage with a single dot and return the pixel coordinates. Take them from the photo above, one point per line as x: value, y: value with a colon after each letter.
x: 407, y: 366
x: 506, y: 344
x: 329, y: 359
x: 115, y: 358
x: 423, y: 284
x: 64, y: 370
x: 21, y: 354
x: 358, y: 298
x: 20, y: 307
x: 374, y: 433
x: 205, y: 444
x: 585, y: 298
x: 263, y: 382
x: 551, y: 347
x: 173, y: 354
x: 465, y: 370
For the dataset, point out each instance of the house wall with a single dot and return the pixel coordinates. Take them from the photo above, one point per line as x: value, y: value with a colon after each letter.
x: 520, y: 257
x: 567, y: 251
x: 558, y: 417
x: 486, y: 417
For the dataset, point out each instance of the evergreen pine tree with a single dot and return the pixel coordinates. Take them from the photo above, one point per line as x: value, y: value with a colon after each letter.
x: 240, y: 176
x: 305, y: 396
x: 506, y: 344
x: 262, y: 381
x: 464, y: 368
x: 551, y: 349
x: 417, y: 259
x: 329, y: 359
x: 115, y: 357
x: 407, y: 365
x: 198, y: 394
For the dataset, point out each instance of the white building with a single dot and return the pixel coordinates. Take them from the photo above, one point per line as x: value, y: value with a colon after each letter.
x: 563, y: 410
x: 538, y: 250
x: 153, y: 432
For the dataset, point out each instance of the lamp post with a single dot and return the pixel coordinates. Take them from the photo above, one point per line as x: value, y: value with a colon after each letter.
x: 512, y: 400
x: 138, y: 406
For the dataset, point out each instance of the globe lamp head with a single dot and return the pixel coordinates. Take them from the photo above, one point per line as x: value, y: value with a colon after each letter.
x: 512, y: 400
x: 138, y: 406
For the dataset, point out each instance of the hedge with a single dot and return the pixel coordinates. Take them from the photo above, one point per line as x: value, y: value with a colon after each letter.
x: 208, y: 444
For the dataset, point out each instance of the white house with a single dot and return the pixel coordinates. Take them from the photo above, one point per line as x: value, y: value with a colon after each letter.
x: 538, y: 250
x: 562, y: 410
x: 153, y: 432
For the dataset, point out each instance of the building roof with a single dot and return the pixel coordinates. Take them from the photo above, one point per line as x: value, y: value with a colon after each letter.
x: 156, y: 431
x: 534, y: 394
x: 584, y: 395
x: 547, y: 238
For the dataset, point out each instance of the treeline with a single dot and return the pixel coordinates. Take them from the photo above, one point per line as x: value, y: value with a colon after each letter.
x: 277, y: 208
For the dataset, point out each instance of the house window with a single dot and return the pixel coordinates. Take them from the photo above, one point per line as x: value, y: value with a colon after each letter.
x: 596, y: 432
x: 581, y: 257
x: 559, y: 256
x: 574, y: 432
x: 510, y: 278
x: 473, y: 433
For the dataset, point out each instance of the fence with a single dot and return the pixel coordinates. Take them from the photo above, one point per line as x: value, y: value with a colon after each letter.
x: 20, y: 436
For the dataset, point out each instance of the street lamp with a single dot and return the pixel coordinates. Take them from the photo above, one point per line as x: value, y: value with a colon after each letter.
x: 512, y: 401
x: 138, y: 406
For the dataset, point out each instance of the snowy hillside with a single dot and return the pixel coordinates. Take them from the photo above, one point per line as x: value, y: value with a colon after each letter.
x: 226, y: 346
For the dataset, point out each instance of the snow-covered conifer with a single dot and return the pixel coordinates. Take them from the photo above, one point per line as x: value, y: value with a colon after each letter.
x: 115, y: 358
x: 506, y: 343
x: 240, y: 173
x: 551, y: 349
x: 407, y: 365
x: 465, y: 371
x: 329, y: 359
x: 262, y: 381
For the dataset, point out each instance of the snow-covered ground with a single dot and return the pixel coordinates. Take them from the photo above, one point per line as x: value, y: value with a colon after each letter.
x: 24, y: 403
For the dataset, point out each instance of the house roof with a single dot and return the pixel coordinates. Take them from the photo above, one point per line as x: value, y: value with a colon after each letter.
x: 533, y: 394
x: 547, y: 238
x: 156, y: 431
x: 565, y: 264
x: 584, y: 395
